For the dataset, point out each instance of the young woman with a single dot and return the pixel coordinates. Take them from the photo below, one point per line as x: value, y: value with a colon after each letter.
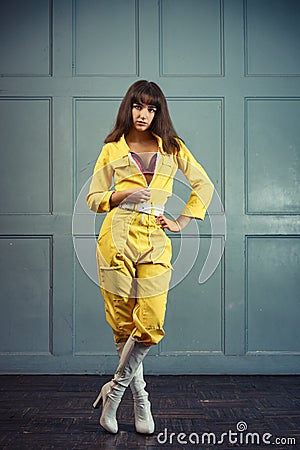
x: 139, y: 159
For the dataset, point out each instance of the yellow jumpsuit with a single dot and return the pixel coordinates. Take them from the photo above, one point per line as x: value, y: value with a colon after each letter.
x: 133, y: 252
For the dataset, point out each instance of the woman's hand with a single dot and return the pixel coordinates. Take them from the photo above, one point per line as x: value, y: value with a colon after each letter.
x: 133, y: 195
x: 138, y: 195
x: 173, y: 225
x: 170, y: 225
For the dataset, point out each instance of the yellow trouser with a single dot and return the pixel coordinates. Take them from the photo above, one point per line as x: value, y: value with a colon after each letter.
x: 133, y: 257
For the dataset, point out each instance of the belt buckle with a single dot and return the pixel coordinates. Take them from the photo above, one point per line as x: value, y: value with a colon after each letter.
x: 144, y: 208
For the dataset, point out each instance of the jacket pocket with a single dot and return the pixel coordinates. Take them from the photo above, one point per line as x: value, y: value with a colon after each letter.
x: 166, y: 165
x: 121, y: 162
x: 123, y: 169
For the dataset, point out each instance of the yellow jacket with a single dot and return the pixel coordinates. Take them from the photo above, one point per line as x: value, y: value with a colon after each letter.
x: 115, y: 171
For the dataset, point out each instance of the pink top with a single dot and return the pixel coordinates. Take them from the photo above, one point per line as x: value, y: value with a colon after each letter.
x: 147, y: 171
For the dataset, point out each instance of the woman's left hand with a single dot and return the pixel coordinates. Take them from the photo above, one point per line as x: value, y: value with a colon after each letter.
x: 171, y: 225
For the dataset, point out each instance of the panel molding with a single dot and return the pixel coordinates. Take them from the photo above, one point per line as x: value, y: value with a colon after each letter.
x: 271, y: 353
x: 76, y: 101
x: 50, y: 55
x: 261, y: 353
x: 49, y: 100
x: 247, y: 101
x: 246, y: 52
x: 221, y: 101
x: 154, y: 365
x: 222, y: 324
x: 48, y: 238
x: 75, y: 72
x: 162, y: 73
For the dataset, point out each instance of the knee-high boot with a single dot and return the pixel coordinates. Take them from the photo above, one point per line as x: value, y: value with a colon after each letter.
x: 112, y: 392
x: 142, y: 407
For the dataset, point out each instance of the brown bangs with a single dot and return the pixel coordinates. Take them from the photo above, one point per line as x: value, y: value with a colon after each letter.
x: 146, y: 97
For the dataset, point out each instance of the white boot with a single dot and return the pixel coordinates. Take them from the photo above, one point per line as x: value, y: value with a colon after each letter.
x: 112, y: 392
x: 110, y: 403
x: 142, y: 407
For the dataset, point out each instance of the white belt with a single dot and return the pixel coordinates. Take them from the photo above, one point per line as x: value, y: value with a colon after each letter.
x: 145, y: 208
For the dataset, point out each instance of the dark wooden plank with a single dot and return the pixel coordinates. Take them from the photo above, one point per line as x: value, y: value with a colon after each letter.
x: 54, y: 411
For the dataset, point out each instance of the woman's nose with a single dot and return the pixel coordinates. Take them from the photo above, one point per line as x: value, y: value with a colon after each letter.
x: 144, y: 112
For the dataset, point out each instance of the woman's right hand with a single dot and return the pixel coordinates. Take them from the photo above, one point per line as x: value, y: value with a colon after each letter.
x: 138, y: 195
x: 133, y: 195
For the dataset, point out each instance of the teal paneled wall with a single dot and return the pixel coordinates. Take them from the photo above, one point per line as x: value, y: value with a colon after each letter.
x: 231, y: 72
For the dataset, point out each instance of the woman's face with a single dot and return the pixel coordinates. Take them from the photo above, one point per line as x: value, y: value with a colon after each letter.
x: 142, y: 116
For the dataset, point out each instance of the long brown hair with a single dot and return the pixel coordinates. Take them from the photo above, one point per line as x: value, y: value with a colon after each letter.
x: 149, y: 93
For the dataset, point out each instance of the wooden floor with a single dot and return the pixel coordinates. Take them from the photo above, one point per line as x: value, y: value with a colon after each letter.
x: 54, y: 412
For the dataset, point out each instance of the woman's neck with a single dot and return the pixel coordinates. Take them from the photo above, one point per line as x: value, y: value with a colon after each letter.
x: 139, y: 136
x: 140, y: 142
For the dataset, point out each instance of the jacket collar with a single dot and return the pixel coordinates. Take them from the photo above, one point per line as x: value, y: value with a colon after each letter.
x: 159, y: 142
x: 158, y: 138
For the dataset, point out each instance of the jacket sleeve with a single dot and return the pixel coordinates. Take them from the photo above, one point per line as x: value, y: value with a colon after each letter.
x: 202, y: 187
x: 98, y: 198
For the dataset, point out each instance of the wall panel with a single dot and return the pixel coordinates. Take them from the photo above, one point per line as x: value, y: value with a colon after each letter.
x: 272, y: 37
x: 272, y: 155
x: 92, y: 334
x: 200, y: 121
x: 26, y: 295
x: 26, y: 38
x: 197, y: 310
x: 95, y: 25
x: 93, y: 119
x: 191, y: 38
x: 273, y: 284
x: 26, y: 172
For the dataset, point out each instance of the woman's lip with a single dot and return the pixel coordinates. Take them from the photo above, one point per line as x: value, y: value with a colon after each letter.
x: 141, y: 123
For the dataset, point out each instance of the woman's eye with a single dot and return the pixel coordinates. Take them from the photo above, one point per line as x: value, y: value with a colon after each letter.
x: 138, y: 107
x: 152, y: 110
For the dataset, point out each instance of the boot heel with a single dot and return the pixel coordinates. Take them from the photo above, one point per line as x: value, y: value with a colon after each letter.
x: 96, y: 403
